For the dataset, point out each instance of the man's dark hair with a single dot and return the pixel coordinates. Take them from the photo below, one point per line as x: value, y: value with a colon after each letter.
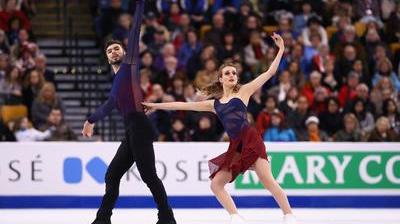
x: 111, y: 42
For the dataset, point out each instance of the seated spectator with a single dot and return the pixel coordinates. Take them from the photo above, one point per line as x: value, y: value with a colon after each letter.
x: 5, y: 134
x: 13, y: 30
x: 33, y: 83
x: 26, y: 59
x: 362, y: 92
x: 164, y: 7
x: 10, y: 11
x: 392, y: 26
x: 177, y: 88
x: 108, y: 18
x: 196, y: 10
x: 385, y: 69
x: 41, y: 68
x: 348, y: 91
x: 225, y: 5
x: 190, y: 47
x: 277, y: 130
x: 4, y: 43
x: 351, y: 131
x: 329, y: 79
x: 60, y: 130
x: 145, y: 83
x: 121, y: 32
x: 297, y: 77
x: 310, y: 87
x: 319, y: 102
x: 179, y: 132
x: 205, y: 130
x: 314, y: 27
x: 313, y: 134
x: 331, y: 118
x: 300, y: 20
x: 255, y: 50
x: 297, y: 118
x: 281, y: 90
x: 390, y: 110
x: 197, y: 61
x: 229, y: 48
x: 214, y: 36
x: 205, y: 76
x: 24, y: 132
x: 383, y: 132
x: 4, y: 65
x: 190, y: 94
x: 165, y: 77
x: 147, y: 63
x: 11, y: 87
x: 173, y: 17
x: 290, y: 103
x: 365, y: 118
x: 179, y: 33
x: 383, y: 90
x: 42, y: 105
x: 264, y: 117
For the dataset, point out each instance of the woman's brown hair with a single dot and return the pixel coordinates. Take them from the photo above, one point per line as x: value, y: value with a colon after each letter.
x: 215, y: 89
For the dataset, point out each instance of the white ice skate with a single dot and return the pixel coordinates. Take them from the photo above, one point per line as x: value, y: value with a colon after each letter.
x: 289, y: 219
x: 237, y: 219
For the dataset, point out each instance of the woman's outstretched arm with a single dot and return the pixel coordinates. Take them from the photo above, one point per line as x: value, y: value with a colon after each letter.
x: 207, y: 105
x: 249, y: 88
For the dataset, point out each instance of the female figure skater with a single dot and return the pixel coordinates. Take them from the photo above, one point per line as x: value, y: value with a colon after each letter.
x: 246, y: 149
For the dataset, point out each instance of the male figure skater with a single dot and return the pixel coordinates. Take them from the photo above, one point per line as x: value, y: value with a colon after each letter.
x: 137, y: 145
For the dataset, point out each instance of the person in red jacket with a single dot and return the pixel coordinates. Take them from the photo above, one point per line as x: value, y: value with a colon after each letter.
x: 10, y: 11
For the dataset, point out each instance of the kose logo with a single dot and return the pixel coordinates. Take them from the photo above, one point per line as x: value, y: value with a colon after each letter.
x: 73, y: 169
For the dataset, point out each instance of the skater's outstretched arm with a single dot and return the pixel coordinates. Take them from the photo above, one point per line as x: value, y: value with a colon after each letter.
x: 132, y: 54
x: 249, y: 88
x: 99, y: 114
x: 207, y: 105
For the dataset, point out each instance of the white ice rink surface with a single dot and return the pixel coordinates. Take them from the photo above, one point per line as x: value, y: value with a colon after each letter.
x: 202, y: 216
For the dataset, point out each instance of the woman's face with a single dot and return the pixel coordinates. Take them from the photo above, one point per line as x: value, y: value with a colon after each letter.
x: 34, y: 78
x: 285, y: 77
x: 14, y: 74
x: 211, y: 66
x: 275, y: 120
x: 333, y: 107
x: 384, y: 67
x: 147, y: 59
x: 229, y: 77
x: 293, y: 93
x: 391, y: 107
x: 359, y: 107
x: 270, y: 104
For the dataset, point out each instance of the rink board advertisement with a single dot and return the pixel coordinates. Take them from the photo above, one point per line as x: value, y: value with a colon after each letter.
x: 71, y: 175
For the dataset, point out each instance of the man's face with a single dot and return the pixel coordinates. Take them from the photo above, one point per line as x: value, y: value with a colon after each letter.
x: 115, y: 53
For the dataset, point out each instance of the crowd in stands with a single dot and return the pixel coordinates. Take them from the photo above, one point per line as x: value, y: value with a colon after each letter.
x: 338, y: 80
x: 25, y: 80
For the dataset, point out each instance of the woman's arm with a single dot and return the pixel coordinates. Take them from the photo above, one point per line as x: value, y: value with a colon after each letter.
x: 249, y: 88
x: 207, y: 105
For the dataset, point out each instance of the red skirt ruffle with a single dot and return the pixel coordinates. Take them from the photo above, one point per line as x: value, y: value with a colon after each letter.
x: 243, y: 152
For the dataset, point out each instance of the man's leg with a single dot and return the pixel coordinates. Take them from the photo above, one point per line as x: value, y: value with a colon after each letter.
x: 141, y: 141
x: 121, y: 162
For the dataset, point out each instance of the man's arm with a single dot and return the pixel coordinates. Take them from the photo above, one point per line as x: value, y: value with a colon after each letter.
x: 132, y: 54
x: 103, y: 110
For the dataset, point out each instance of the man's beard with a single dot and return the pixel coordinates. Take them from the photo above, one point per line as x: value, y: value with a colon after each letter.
x: 116, y: 62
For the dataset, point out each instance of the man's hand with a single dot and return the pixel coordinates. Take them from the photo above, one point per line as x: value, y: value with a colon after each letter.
x: 87, y: 130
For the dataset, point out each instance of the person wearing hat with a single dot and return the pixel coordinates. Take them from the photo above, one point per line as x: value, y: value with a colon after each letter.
x: 278, y: 130
x: 314, y: 134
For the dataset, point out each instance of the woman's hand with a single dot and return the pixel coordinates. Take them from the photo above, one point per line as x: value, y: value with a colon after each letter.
x: 149, y: 106
x: 278, y: 41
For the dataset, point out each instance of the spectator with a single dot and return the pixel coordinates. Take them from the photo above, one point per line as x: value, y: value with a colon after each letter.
x: 5, y: 134
x: 329, y: 79
x: 351, y: 132
x: 319, y: 102
x: 392, y: 26
x: 10, y: 11
x: 4, y: 64
x: 164, y: 7
x: 173, y: 17
x: 4, y: 44
x: 391, y: 111
x: 121, y: 31
x: 383, y: 132
x: 180, y: 32
x: 229, y: 5
x: 147, y: 63
x: 41, y: 68
x: 196, y: 11
x: 11, y: 87
x: 312, y: 85
x: 205, y: 130
x: 179, y: 132
x: 385, y: 69
x: 278, y: 131
x: 313, y: 134
x: 300, y: 20
x: 365, y: 118
x: 32, y: 84
x: 362, y: 92
x: 41, y: 106
x: 383, y: 90
x: 264, y: 117
x: 214, y: 36
x: 167, y: 51
x: 60, y: 130
x: 255, y: 50
x: 145, y: 82
x: 290, y: 103
x: 191, y: 47
x: 348, y: 92
x: 314, y: 27
x: 229, y: 48
x: 297, y: 118
x: 177, y: 89
x: 24, y: 132
x: 331, y: 118
x: 280, y: 91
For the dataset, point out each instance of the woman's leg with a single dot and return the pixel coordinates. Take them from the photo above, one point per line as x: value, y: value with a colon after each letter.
x: 218, y: 188
x: 263, y: 170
